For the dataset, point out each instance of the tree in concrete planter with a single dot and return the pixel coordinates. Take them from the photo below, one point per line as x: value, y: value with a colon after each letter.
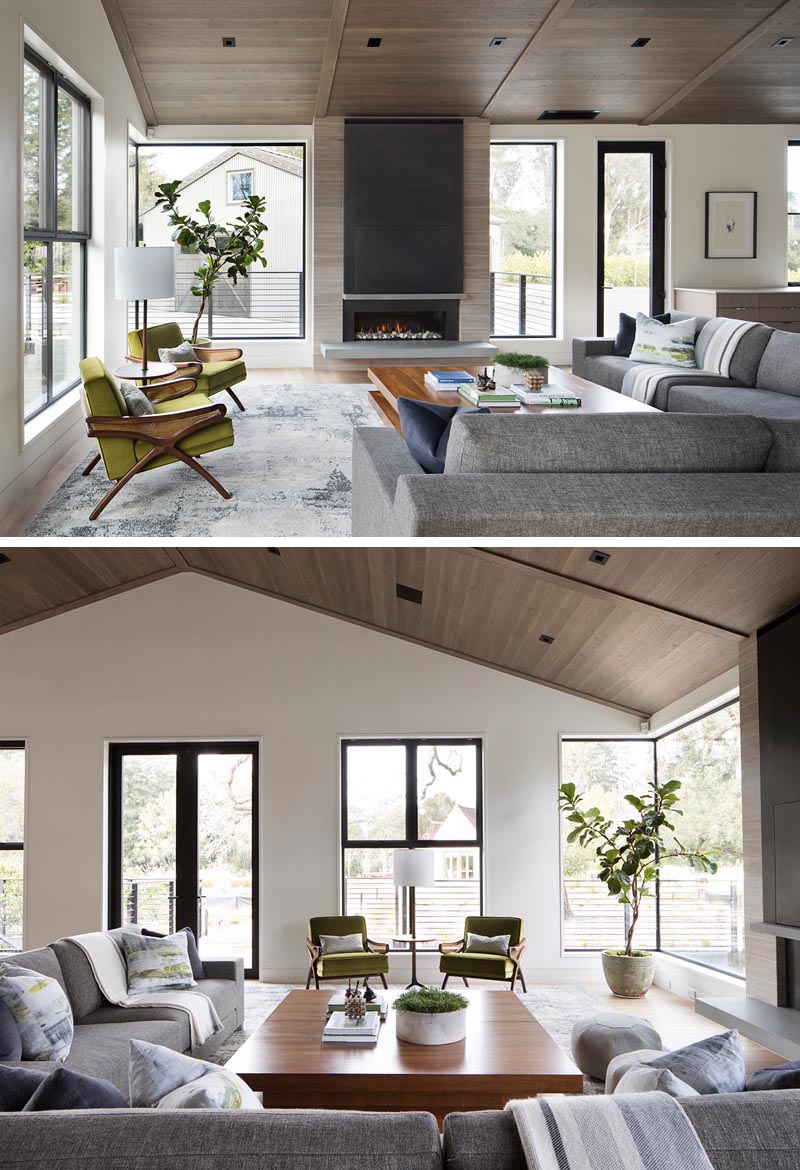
x: 629, y: 858
x: 228, y: 249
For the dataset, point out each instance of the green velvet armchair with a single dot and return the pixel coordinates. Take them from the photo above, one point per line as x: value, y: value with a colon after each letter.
x: 184, y: 424
x: 372, y: 960
x: 456, y: 960
x: 216, y: 370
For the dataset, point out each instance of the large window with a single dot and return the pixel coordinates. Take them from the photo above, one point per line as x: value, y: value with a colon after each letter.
x: 793, y: 258
x: 412, y: 794
x: 271, y: 302
x: 12, y: 836
x: 57, y: 224
x: 693, y: 915
x: 523, y: 239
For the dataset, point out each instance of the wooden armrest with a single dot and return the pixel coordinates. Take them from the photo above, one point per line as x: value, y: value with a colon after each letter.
x: 377, y: 948
x: 217, y: 355
x: 169, y: 388
x: 312, y: 948
x: 451, y: 948
x: 162, y: 430
x: 516, y: 951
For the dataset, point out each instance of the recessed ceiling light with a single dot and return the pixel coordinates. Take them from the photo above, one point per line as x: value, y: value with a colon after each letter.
x: 640, y: 42
x: 568, y: 115
x: 599, y: 558
x: 548, y: 639
x: 781, y: 41
x: 407, y: 593
x: 496, y: 42
x: 229, y: 42
x: 4, y: 560
x: 374, y: 42
x: 276, y: 552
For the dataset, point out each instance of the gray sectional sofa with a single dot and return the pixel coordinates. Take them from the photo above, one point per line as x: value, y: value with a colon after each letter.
x: 571, y: 474
x: 748, y: 1131
x: 103, y: 1030
x: 764, y: 381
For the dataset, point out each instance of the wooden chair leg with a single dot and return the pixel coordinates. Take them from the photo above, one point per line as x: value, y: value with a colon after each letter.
x: 316, y: 979
x: 91, y: 464
x: 444, y: 982
x: 514, y: 979
x: 522, y: 980
x: 153, y: 453
x: 190, y: 462
x: 383, y: 981
x: 466, y: 981
x: 308, y: 981
x: 236, y: 399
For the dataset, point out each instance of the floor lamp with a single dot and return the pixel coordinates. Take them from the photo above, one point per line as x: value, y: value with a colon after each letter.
x: 412, y: 868
x: 144, y: 274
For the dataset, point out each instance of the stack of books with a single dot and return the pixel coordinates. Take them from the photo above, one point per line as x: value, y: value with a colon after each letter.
x: 379, y: 1004
x: 497, y: 398
x: 549, y: 395
x: 340, y: 1030
x: 447, y: 380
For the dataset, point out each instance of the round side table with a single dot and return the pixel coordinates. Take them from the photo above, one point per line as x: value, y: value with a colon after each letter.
x: 412, y: 940
x: 133, y: 371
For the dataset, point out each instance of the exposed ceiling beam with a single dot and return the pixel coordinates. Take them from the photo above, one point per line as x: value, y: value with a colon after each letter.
x: 755, y: 34
x: 540, y: 38
x: 378, y: 629
x: 120, y: 30
x: 331, y: 57
x: 590, y: 589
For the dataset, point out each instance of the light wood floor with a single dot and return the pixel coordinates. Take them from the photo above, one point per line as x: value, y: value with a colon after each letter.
x: 15, y: 523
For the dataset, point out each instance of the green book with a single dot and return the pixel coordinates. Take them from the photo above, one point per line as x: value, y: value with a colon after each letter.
x: 488, y: 397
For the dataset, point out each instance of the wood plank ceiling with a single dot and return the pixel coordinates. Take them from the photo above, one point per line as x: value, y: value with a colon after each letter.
x: 293, y: 61
x: 638, y: 632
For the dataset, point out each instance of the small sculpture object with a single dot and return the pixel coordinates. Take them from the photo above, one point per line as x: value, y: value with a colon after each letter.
x: 355, y: 1006
x: 534, y: 380
x: 485, y: 381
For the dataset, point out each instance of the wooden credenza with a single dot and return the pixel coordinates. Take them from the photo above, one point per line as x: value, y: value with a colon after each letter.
x: 778, y: 307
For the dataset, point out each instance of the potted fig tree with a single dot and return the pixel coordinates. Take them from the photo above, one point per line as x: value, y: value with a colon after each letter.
x: 629, y: 858
x: 428, y: 1015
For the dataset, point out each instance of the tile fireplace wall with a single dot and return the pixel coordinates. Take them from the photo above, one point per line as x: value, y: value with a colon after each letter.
x: 329, y: 240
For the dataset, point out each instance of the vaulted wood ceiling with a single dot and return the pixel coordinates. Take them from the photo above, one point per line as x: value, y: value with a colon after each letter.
x: 707, y: 60
x: 638, y: 632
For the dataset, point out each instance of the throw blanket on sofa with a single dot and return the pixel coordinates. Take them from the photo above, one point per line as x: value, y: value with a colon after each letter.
x: 714, y: 351
x: 108, y: 964
x: 642, y: 1131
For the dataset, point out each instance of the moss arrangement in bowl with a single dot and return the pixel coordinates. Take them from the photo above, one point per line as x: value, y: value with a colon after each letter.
x: 428, y: 1015
x: 514, y: 366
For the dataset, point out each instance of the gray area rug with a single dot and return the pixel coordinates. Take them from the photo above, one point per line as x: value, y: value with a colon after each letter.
x: 556, y: 1008
x: 289, y: 471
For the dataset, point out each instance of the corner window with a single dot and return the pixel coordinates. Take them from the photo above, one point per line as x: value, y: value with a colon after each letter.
x: 57, y: 225
x: 12, y: 838
x: 240, y: 186
x: 793, y: 258
x: 412, y: 794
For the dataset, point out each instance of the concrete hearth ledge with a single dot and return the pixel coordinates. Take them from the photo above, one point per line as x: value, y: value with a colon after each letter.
x: 395, y: 351
x: 776, y: 1028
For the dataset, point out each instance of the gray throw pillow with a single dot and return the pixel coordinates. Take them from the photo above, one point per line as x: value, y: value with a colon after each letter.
x: 484, y: 944
x: 181, y: 353
x: 713, y: 1065
x: 643, y: 1078
x: 340, y: 944
x: 780, y: 1076
x: 10, y: 1039
x: 136, y: 400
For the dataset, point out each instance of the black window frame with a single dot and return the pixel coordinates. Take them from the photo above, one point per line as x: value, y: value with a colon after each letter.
x: 554, y: 254
x: 791, y: 283
x: 303, y: 301
x: 186, y: 810
x: 16, y: 846
x: 657, y: 148
x: 412, y: 840
x: 49, y: 233
x: 654, y: 740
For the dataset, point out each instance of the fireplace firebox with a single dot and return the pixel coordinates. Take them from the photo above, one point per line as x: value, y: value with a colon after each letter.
x: 400, y: 320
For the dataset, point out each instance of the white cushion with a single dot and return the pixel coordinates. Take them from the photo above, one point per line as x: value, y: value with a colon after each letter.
x: 620, y: 1065
x: 162, y: 1079
x: 670, y: 344
x: 41, y: 1011
x: 643, y: 1078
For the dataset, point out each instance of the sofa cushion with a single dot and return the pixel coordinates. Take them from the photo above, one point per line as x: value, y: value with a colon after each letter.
x: 779, y: 368
x: 749, y: 352
x: 43, y: 960
x: 692, y: 399
x: 488, y: 966
x: 426, y: 430
x: 191, y: 944
x: 641, y: 1078
x: 125, y: 1016
x: 223, y: 993
x: 607, y: 370
x: 41, y: 1008
x: 606, y: 443
x: 784, y: 454
x: 670, y: 344
x: 101, y: 1050
x: 157, y: 964
x: 17, y: 1086
x: 626, y: 332
x: 780, y: 1076
x: 66, y: 1089
x: 10, y: 1039
x: 362, y: 963
x: 712, y: 1065
x: 84, y: 994
x: 164, y: 1079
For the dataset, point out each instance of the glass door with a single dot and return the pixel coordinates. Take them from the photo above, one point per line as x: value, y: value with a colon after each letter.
x: 183, y: 845
x: 631, y: 231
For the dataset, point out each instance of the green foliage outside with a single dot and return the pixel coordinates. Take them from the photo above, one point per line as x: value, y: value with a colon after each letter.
x: 430, y: 1001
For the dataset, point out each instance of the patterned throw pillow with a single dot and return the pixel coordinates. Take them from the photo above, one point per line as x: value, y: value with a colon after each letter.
x: 340, y: 944
x: 162, y: 1079
x: 157, y: 964
x: 484, y: 944
x: 41, y: 1010
x: 181, y: 353
x: 641, y: 1078
x: 136, y: 400
x: 665, y: 345
x: 713, y: 1065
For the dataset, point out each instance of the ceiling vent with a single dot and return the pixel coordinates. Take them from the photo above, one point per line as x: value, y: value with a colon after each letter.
x: 599, y: 558
x: 374, y: 42
x: 275, y: 552
x: 640, y: 42
x: 4, y: 560
x: 548, y: 639
x: 229, y: 42
x: 568, y: 115
x: 497, y: 42
x: 407, y: 593
x: 782, y: 42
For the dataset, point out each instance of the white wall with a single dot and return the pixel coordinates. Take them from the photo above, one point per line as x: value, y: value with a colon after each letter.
x: 193, y: 658
x: 79, y: 41
x: 699, y: 159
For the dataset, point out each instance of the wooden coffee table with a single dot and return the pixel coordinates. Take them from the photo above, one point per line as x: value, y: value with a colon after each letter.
x: 506, y: 1054
x: 393, y: 382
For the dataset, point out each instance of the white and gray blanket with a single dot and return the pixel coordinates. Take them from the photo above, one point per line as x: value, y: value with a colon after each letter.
x: 108, y: 965
x: 642, y: 1131
x: 714, y: 351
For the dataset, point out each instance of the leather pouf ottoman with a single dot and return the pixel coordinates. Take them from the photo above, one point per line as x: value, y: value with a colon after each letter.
x: 620, y: 1065
x: 596, y: 1041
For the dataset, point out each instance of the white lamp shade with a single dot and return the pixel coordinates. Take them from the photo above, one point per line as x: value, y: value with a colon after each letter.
x: 413, y: 867
x: 144, y: 274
